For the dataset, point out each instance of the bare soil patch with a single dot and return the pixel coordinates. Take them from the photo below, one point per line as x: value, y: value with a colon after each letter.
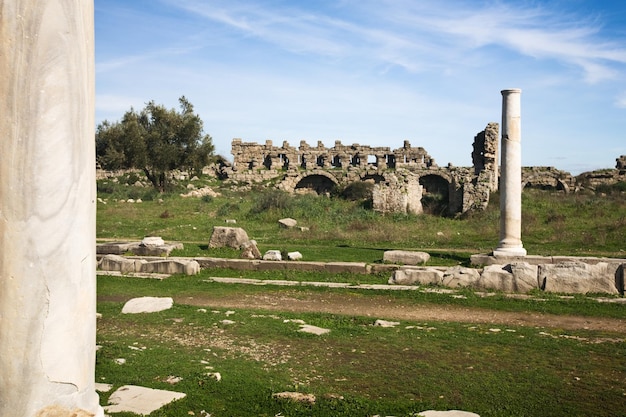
x: 381, y: 307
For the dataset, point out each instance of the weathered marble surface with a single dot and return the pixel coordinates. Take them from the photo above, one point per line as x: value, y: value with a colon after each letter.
x: 511, y: 177
x: 47, y: 207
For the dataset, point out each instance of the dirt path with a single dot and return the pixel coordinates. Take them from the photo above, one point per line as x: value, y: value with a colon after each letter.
x: 381, y: 307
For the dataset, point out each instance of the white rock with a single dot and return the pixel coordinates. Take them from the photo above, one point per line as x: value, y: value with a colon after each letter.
x: 578, y: 277
x: 406, y: 257
x: 459, y: 276
x: 147, y: 305
x: 287, y: 223
x: 296, y: 396
x: 140, y: 400
x: 294, y: 256
x: 307, y: 328
x: 272, y: 255
x: 215, y: 375
x: 412, y: 276
x: 385, y: 323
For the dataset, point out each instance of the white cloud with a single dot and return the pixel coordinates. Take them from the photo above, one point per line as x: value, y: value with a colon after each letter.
x: 416, y: 35
x: 620, y: 101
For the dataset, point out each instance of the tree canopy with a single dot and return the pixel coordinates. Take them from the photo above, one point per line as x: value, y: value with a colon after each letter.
x: 155, y: 140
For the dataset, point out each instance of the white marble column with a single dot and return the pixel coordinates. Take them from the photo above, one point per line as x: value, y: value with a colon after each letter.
x: 47, y: 209
x: 511, y: 177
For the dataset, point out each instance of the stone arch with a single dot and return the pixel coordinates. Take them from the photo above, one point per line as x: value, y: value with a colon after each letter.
x: 319, y: 181
x: 545, y: 183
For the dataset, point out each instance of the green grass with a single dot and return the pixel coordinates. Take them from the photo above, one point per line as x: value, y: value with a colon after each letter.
x: 339, y: 230
x: 519, y: 371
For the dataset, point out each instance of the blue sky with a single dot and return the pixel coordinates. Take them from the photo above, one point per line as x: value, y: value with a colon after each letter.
x: 376, y: 72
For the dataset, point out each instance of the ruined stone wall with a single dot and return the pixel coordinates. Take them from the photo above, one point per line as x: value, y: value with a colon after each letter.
x: 547, y: 178
x: 402, y: 176
x: 485, y: 155
x: 254, y: 156
x: 621, y: 164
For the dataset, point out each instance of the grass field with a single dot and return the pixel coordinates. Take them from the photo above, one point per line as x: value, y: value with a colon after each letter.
x: 554, y: 361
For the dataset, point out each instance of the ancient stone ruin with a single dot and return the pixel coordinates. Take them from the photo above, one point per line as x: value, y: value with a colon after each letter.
x: 404, y: 177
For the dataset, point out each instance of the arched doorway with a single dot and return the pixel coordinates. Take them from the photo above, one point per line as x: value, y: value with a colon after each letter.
x: 318, y: 183
x: 435, y: 194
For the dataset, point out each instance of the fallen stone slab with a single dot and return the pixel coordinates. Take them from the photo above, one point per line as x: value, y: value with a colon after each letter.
x: 308, y: 328
x: 116, y: 263
x: 147, y: 305
x: 140, y: 400
x: 385, y: 323
x: 287, y: 223
x: 414, y: 276
x: 295, y: 396
x: 171, y: 266
x: 100, y: 387
x: 578, y: 278
x: 459, y: 277
x: 518, y: 277
x: 406, y: 257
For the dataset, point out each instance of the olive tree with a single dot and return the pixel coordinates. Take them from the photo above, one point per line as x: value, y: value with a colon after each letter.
x: 156, y: 141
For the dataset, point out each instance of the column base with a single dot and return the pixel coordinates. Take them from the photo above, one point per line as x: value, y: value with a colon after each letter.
x: 509, y: 252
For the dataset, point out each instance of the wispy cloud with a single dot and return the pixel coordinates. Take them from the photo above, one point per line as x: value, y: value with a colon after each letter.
x: 404, y: 33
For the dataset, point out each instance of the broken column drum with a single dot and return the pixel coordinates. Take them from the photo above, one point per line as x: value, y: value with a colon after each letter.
x: 47, y: 206
x: 511, y: 177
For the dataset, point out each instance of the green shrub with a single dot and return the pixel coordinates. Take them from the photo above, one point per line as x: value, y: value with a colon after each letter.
x: 271, y: 200
x: 358, y: 190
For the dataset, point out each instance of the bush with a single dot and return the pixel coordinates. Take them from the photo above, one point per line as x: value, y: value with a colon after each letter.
x: 358, y: 190
x: 271, y: 200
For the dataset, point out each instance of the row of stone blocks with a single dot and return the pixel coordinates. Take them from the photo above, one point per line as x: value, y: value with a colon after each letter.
x: 521, y: 277
x: 168, y: 266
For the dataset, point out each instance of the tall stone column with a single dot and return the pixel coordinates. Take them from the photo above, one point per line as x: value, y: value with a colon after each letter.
x: 47, y: 209
x: 511, y: 177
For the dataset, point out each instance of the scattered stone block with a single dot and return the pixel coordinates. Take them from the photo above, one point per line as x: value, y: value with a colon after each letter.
x: 117, y: 263
x: 307, y: 328
x: 295, y: 396
x: 147, y: 305
x: 406, y: 257
x: 287, y: 223
x: 272, y: 255
x: 115, y: 248
x: 385, y: 323
x: 459, y: 276
x: 171, y: 266
x: 413, y: 276
x: 294, y: 256
x: 140, y: 400
x: 578, y: 278
x: 250, y: 250
x: 156, y: 248
x: 518, y: 277
x: 232, y: 237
